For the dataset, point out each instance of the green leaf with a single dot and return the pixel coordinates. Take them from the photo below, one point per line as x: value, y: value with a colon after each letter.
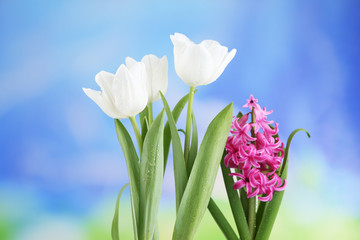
x: 260, y: 212
x: 182, y: 130
x: 235, y: 203
x: 132, y: 163
x: 144, y: 128
x: 144, y: 123
x: 151, y: 177
x: 143, y: 115
x: 272, y: 207
x: 156, y: 233
x: 193, y: 146
x: 269, y: 216
x: 202, y: 178
x: 286, y: 155
x: 115, y: 222
x: 243, y: 198
x: 239, y: 115
x: 180, y: 174
x: 221, y: 221
x: 167, y: 133
x: 244, y: 202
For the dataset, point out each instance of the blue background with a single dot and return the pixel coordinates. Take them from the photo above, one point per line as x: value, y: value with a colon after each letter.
x: 60, y: 164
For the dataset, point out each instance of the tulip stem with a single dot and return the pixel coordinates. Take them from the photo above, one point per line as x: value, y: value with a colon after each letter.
x: 150, y: 113
x: 137, y: 133
x: 188, y: 124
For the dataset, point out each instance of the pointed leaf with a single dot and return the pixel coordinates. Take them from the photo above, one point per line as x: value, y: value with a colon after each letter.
x: 151, y: 177
x: 144, y: 128
x: 286, y: 155
x: 260, y: 212
x: 239, y: 115
x: 176, y: 114
x: 182, y: 131
x: 180, y: 174
x: 221, y: 221
x: 115, y: 222
x: 193, y: 146
x: 202, y: 178
x: 235, y: 203
x: 244, y: 199
x: 142, y: 115
x: 244, y: 202
x: 272, y: 207
x: 132, y: 163
x: 156, y: 233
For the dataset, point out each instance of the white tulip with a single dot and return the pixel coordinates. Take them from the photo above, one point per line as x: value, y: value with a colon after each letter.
x: 157, y: 75
x: 122, y: 95
x: 199, y: 64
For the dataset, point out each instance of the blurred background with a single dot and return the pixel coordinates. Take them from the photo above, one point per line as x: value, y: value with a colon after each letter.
x: 61, y: 166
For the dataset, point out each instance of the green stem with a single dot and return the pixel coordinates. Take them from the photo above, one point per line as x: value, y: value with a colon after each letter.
x: 137, y: 133
x: 188, y: 124
x: 150, y: 113
x: 253, y: 121
x: 252, y: 201
x: 252, y: 216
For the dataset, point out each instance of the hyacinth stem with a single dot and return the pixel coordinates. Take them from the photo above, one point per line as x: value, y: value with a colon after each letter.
x: 188, y: 124
x: 137, y: 133
x: 253, y: 121
x: 252, y: 216
x: 150, y: 113
x: 252, y: 201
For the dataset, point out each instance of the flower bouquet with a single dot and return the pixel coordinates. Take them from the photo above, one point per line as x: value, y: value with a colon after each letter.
x: 253, y: 159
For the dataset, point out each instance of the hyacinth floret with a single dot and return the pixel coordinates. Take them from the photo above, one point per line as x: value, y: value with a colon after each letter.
x: 255, y: 149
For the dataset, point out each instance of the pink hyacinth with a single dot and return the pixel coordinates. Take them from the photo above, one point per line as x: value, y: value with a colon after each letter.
x: 241, y: 130
x: 256, y: 155
x: 258, y: 183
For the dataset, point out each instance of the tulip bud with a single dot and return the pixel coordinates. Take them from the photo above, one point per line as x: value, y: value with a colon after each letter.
x: 122, y: 94
x: 199, y: 64
x: 156, y: 75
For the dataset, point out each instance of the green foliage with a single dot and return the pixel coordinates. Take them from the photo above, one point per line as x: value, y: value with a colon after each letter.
x: 272, y: 207
x: 221, y: 221
x: 201, y: 181
x: 235, y: 203
x: 193, y: 146
x: 151, y: 177
x: 132, y: 163
x: 167, y: 132
x: 115, y: 222
x: 180, y: 174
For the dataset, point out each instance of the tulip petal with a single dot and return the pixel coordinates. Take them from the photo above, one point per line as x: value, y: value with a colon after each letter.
x: 107, y: 107
x: 216, y: 51
x: 157, y: 76
x: 193, y: 64
x: 130, y: 62
x: 105, y: 80
x: 222, y: 65
x: 218, y: 54
x: 180, y: 40
x: 210, y: 44
x: 138, y: 72
x: 163, y: 85
x: 182, y: 37
x: 199, y: 64
x: 130, y: 89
